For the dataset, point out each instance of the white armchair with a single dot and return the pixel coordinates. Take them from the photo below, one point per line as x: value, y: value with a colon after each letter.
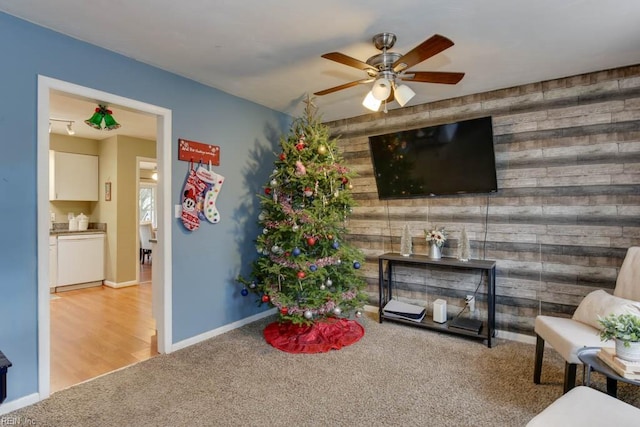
x: 567, y: 336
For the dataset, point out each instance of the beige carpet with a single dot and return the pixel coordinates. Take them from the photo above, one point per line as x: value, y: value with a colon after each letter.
x: 395, y: 375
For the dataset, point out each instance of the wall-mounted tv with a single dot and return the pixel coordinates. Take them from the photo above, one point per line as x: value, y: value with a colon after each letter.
x: 453, y: 158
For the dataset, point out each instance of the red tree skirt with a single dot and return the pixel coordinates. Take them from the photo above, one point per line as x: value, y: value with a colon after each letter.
x: 329, y: 334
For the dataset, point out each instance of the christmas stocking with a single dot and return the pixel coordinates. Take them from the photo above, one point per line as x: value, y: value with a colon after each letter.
x: 192, y: 190
x: 208, y: 177
x: 210, y: 210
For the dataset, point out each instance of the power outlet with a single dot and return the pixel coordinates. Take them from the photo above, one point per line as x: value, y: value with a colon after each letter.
x: 470, y: 300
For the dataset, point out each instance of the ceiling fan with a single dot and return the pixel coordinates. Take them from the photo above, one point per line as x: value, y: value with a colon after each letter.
x: 384, y: 69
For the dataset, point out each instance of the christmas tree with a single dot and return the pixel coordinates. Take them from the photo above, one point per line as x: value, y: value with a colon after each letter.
x: 304, y: 268
x: 405, y: 242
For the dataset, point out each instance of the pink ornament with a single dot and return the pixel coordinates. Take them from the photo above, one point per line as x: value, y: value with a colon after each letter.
x: 300, y: 169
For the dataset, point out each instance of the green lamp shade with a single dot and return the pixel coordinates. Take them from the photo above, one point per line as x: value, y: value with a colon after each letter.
x: 95, y: 120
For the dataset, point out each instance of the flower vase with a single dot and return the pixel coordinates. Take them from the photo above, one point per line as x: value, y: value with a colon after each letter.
x: 434, y: 251
x: 630, y: 353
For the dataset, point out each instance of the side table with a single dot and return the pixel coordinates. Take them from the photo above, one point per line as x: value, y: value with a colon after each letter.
x: 589, y: 357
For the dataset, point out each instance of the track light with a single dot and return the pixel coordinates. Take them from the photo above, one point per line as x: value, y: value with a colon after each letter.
x: 69, y: 126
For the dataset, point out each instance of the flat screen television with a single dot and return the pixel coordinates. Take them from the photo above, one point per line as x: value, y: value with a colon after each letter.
x: 453, y: 158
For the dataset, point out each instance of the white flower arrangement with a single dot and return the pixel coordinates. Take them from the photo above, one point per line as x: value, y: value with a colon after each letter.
x: 437, y: 236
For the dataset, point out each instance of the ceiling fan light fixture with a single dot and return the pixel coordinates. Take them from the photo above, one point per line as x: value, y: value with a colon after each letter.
x: 403, y: 94
x: 381, y: 89
x: 371, y: 102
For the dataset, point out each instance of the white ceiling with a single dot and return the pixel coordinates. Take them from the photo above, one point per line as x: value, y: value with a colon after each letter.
x: 269, y: 52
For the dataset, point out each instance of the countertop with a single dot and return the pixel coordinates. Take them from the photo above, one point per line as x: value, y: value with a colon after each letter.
x: 62, y: 228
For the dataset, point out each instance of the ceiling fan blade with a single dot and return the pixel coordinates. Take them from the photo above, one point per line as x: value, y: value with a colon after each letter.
x: 347, y: 60
x: 343, y: 86
x: 444, y: 77
x: 432, y: 46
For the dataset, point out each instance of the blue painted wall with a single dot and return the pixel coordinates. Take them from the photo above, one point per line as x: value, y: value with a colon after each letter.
x: 205, y: 262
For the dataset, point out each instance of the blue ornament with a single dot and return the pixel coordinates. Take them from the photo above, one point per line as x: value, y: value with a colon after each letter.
x: 244, y: 292
x: 356, y: 265
x: 335, y: 244
x: 296, y: 251
x: 313, y: 267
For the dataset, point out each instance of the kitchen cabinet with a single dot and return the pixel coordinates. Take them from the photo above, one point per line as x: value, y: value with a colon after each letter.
x: 73, y: 176
x: 80, y: 258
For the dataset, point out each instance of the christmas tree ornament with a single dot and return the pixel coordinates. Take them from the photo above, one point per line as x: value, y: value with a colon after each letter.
x: 295, y: 227
x: 283, y: 157
x: 301, y: 274
x: 252, y: 285
x: 284, y: 311
x: 300, y: 146
x: 313, y: 267
x: 244, y: 292
x: 267, y: 191
x: 301, y: 170
x: 308, y: 192
x: 322, y: 287
x: 308, y: 314
x: 262, y: 216
x: 322, y: 150
x: 356, y: 265
x: 273, y: 182
x: 344, y: 180
x: 350, y: 186
x: 337, y: 311
x: 330, y: 236
x: 296, y: 251
x: 335, y: 244
x: 358, y: 314
x: 265, y: 298
x: 329, y: 282
x: 311, y: 241
x: 265, y: 231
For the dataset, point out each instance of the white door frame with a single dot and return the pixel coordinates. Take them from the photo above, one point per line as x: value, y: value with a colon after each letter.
x: 163, y: 282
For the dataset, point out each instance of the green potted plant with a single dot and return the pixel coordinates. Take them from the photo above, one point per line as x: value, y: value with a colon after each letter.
x: 625, y: 329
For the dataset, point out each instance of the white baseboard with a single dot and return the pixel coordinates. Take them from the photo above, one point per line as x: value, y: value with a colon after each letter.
x: 120, y: 284
x: 13, y: 405
x: 221, y: 330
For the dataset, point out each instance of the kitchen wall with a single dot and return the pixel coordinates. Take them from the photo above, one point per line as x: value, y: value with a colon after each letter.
x: 568, y: 205
x: 123, y: 233
x: 203, y: 299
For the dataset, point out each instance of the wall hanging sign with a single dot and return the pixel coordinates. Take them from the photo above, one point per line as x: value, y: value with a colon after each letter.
x: 107, y: 191
x: 197, y: 152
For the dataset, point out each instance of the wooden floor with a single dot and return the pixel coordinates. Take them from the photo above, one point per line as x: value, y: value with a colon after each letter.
x: 98, y: 330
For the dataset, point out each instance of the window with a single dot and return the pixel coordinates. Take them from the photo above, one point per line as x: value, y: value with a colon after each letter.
x: 147, y: 200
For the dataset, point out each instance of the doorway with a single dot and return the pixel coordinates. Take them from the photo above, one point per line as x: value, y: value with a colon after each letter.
x: 161, y: 292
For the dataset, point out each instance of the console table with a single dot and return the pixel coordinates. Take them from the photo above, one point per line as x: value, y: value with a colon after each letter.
x: 487, y: 267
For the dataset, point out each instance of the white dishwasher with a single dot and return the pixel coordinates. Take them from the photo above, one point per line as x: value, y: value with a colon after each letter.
x: 80, y: 258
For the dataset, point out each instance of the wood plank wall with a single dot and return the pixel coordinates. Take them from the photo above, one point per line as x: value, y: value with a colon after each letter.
x: 568, y: 205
